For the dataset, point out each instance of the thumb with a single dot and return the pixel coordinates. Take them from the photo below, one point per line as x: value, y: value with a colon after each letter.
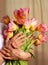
x: 7, y: 41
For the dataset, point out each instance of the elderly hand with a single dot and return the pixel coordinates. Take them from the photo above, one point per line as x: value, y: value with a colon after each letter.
x: 18, y: 40
x: 15, y: 54
x: 12, y: 50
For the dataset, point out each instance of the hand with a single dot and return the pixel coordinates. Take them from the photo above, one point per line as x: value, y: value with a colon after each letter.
x: 15, y: 54
x: 18, y: 40
x: 15, y: 42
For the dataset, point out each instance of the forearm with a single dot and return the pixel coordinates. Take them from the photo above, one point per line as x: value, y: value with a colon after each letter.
x: 1, y: 62
x: 1, y: 59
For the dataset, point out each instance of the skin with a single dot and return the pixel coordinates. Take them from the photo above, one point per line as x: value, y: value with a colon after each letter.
x: 1, y: 59
x: 12, y: 49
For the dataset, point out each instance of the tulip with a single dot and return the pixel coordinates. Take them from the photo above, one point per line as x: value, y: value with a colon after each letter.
x: 42, y: 37
x: 10, y: 34
x: 6, y: 34
x: 31, y: 24
x: 37, y: 42
x: 27, y: 24
x: 6, y: 19
x: 21, y: 15
x: 34, y: 24
x: 42, y: 28
x: 24, y: 12
x: 12, y: 26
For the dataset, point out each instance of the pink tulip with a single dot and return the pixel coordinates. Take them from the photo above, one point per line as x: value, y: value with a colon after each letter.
x: 27, y: 24
x: 42, y: 28
x: 21, y: 15
x: 7, y: 34
x: 31, y: 24
x: 34, y: 24
x: 12, y: 26
x: 42, y: 37
x: 24, y: 12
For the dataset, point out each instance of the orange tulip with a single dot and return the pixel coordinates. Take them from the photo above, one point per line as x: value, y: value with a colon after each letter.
x: 37, y: 42
x: 21, y: 15
x: 6, y: 19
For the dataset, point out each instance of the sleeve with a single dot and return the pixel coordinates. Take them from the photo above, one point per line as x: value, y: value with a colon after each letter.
x: 1, y: 36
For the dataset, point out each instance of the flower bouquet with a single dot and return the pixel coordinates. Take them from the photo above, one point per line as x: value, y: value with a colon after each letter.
x: 28, y: 27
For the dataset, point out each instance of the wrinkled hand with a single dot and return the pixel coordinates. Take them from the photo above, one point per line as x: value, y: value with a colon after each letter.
x: 15, y: 54
x: 12, y: 50
x: 18, y: 40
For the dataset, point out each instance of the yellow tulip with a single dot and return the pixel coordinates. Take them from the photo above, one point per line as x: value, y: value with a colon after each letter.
x: 10, y: 34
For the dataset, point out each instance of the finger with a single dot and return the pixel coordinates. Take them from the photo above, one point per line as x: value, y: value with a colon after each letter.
x: 10, y: 58
x: 19, y: 43
x: 7, y: 50
x: 22, y: 40
x: 10, y: 47
x: 17, y: 35
x: 7, y: 39
x: 21, y: 37
x: 22, y: 43
x: 5, y: 53
x: 7, y: 58
x: 31, y: 36
x: 15, y: 46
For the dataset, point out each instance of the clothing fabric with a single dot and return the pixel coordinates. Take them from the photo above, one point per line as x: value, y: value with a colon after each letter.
x: 1, y: 37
